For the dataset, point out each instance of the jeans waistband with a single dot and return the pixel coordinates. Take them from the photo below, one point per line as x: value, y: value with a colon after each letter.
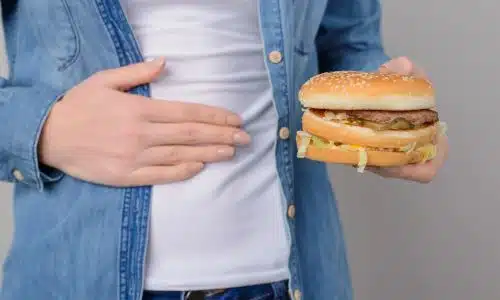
x: 275, y: 291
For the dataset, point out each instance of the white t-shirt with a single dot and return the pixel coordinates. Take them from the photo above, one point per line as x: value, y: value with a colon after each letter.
x: 224, y: 227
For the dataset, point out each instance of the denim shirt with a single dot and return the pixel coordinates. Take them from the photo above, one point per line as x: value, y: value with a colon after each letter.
x: 80, y: 241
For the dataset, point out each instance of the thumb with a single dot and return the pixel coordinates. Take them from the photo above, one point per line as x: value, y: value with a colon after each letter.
x: 400, y: 65
x: 130, y: 76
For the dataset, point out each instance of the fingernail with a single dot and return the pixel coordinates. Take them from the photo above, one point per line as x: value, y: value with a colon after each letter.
x: 399, y: 65
x: 195, y: 167
x: 225, y: 152
x: 241, y: 138
x: 234, y: 121
x: 159, y: 61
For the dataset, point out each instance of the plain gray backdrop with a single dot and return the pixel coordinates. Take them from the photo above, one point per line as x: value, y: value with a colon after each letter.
x: 425, y: 242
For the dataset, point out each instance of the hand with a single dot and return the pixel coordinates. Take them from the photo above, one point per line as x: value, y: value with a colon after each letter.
x: 101, y: 134
x: 425, y: 172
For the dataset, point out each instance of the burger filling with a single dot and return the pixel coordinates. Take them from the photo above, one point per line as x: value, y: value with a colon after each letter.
x: 428, y: 151
x: 380, y: 119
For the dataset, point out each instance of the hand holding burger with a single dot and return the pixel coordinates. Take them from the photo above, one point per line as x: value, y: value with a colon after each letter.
x: 384, y: 121
x: 420, y: 172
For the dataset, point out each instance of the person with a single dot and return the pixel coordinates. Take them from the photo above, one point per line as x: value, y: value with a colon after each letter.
x: 151, y: 147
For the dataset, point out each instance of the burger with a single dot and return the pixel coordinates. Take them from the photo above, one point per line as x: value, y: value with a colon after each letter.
x: 368, y: 119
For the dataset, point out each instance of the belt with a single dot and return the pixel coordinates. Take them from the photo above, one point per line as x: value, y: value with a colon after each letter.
x: 201, y: 295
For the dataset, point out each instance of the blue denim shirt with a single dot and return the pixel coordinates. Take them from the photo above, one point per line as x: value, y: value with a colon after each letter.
x: 80, y: 241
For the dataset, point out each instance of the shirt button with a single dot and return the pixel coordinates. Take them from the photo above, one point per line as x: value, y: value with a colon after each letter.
x: 291, y: 211
x: 18, y: 175
x: 284, y: 133
x: 275, y: 57
x: 297, y: 295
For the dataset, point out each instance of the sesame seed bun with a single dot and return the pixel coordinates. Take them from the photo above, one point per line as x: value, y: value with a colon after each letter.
x: 352, y: 90
x: 368, y: 119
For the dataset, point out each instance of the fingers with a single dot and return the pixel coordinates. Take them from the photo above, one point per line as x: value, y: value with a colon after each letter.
x: 423, y: 173
x: 194, y: 134
x: 402, y: 65
x: 418, y: 72
x: 179, y: 112
x: 130, y: 76
x: 173, y: 155
x: 164, y: 174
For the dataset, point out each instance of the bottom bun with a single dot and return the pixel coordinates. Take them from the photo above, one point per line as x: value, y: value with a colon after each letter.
x: 374, y: 158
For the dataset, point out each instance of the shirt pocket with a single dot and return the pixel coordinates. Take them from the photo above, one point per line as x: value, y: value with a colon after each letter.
x: 55, y: 30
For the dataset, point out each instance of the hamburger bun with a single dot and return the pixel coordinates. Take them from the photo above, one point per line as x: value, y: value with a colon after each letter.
x: 368, y: 119
x: 351, y: 90
x: 374, y: 158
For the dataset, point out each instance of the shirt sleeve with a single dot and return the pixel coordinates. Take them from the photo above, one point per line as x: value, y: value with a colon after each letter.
x: 23, y: 111
x: 349, y: 36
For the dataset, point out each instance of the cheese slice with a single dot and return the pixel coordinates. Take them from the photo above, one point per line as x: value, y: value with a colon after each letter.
x: 428, y: 152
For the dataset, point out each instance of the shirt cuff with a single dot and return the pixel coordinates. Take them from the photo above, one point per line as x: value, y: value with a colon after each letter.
x: 25, y: 110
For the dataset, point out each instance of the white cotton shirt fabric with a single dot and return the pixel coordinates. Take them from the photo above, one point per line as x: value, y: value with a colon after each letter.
x: 224, y: 227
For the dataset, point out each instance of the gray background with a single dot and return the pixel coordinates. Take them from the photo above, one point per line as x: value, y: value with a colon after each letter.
x: 438, y: 241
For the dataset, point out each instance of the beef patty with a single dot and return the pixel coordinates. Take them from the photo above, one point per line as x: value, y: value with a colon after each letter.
x: 382, y: 119
x: 415, y: 117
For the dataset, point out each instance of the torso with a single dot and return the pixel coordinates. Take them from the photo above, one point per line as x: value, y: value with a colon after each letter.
x: 225, y: 226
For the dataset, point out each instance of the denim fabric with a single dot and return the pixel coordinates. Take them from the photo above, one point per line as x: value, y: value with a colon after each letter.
x: 272, y: 291
x: 75, y: 240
